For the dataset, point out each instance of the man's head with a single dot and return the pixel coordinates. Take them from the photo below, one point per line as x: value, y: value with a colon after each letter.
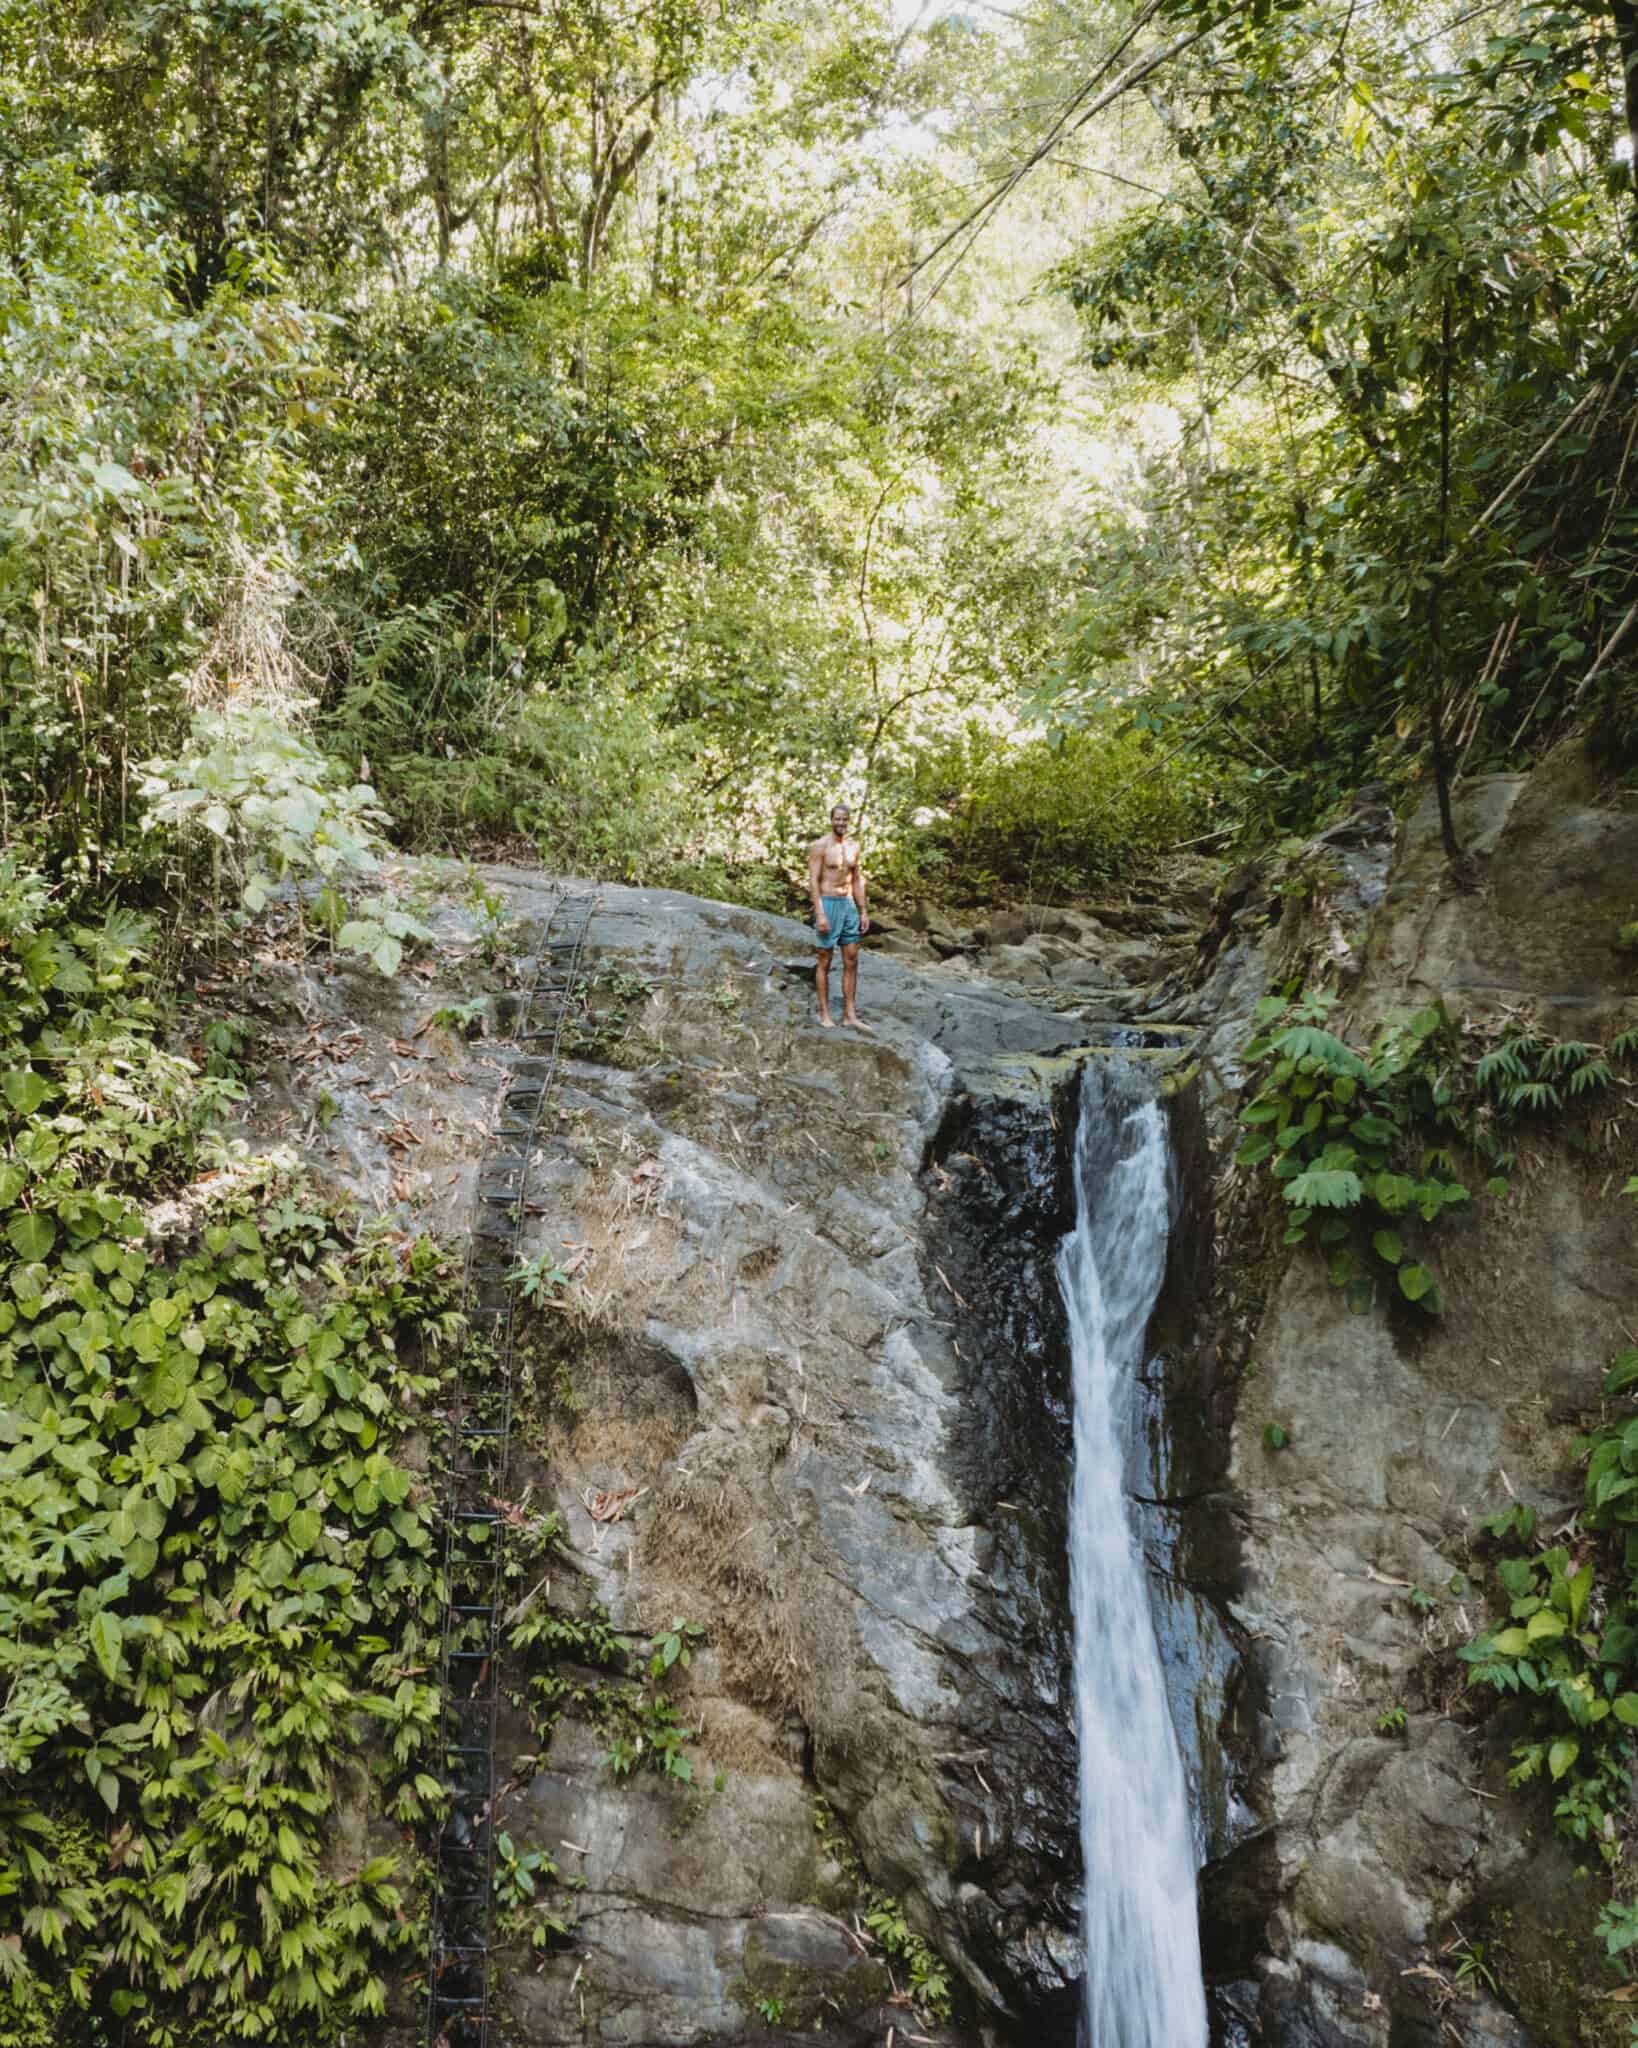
x: 839, y: 817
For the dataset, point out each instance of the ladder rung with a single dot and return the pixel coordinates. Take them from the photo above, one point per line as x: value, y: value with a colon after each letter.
x: 471, y: 1563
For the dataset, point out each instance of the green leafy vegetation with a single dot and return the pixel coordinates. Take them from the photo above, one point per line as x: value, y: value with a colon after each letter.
x: 523, y: 1878
x: 219, y: 1572
x: 618, y: 1683
x: 1567, y: 1651
x: 540, y: 1280
x: 1389, y: 531
x: 389, y: 405
x: 1364, y: 1146
x: 593, y: 471
x: 1348, y: 1137
x: 1575, y: 1671
x: 1529, y: 1072
x: 614, y: 431
x: 927, y: 1977
x: 465, y: 1019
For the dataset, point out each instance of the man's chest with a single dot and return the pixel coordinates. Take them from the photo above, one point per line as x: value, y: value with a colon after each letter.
x: 839, y: 859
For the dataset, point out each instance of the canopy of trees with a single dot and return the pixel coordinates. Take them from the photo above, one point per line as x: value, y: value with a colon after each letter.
x: 722, y: 403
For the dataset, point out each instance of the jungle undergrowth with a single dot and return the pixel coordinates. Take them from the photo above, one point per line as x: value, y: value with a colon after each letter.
x: 221, y: 1600
x: 1368, y: 1147
x: 1565, y: 1655
x: 620, y: 1683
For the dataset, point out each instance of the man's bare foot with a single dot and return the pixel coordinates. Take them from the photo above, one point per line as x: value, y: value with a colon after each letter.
x: 827, y: 1023
x: 858, y: 1024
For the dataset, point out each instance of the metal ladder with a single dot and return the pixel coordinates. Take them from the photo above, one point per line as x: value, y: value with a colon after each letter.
x: 459, y: 1974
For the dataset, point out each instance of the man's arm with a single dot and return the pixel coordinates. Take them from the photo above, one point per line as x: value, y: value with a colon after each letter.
x: 816, y: 869
x: 859, y: 892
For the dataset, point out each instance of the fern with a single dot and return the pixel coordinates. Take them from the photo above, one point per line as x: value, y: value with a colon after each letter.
x: 1566, y: 1053
x: 1534, y: 1095
x: 1501, y: 1063
x: 1309, y: 1042
x: 1326, y: 1122
x: 1324, y: 1188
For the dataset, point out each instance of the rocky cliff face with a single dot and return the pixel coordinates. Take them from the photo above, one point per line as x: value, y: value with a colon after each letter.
x: 806, y: 1386
x: 1385, y: 1855
x: 813, y: 1331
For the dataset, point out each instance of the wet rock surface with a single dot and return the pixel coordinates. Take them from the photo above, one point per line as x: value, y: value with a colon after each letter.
x: 1101, y: 958
x: 812, y: 1326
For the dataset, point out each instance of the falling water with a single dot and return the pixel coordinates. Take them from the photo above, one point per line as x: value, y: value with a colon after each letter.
x: 1143, y: 1977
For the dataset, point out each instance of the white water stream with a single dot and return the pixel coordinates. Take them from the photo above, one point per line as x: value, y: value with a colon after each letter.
x: 1143, y: 1978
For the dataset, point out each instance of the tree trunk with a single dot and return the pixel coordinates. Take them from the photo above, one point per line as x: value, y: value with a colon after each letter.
x: 1624, y: 14
x: 1436, y: 708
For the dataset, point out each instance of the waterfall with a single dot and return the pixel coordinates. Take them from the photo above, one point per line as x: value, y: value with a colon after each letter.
x: 1143, y: 1977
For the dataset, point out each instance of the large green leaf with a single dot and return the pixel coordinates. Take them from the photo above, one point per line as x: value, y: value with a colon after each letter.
x: 1308, y: 1042
x: 1416, y: 1282
x: 108, y: 1641
x: 1324, y: 1187
x: 32, y: 1235
x: 275, y: 1566
x: 1580, y: 1590
x: 117, y: 481
x: 24, y: 1089
x: 1623, y: 1371
x: 163, y: 1389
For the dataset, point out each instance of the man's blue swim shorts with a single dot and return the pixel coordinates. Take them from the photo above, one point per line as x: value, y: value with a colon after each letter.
x: 842, y: 915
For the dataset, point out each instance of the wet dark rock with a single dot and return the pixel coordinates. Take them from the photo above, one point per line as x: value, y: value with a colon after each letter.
x: 814, y: 1324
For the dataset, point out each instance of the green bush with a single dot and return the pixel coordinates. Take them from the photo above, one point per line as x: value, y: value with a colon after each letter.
x: 1347, y: 1138
x: 588, y: 771
x: 140, y: 552
x: 611, y: 788
x: 1045, y: 813
x: 218, y: 1586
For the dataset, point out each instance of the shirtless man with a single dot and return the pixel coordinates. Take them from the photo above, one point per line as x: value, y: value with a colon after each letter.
x: 836, y: 884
